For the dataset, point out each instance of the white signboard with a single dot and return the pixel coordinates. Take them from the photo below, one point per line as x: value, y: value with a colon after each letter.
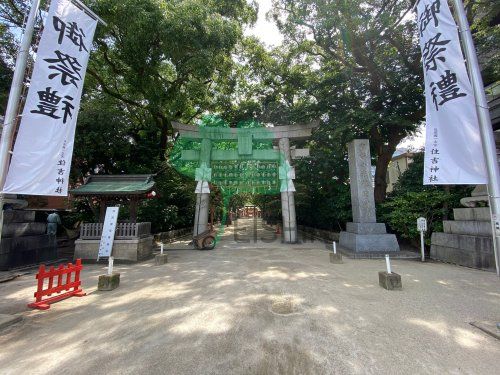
x: 422, y: 224
x: 44, y: 147
x: 453, y: 150
x: 108, y: 232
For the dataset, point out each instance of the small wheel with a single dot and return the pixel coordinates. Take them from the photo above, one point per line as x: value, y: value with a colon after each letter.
x: 208, y: 243
x: 195, y: 244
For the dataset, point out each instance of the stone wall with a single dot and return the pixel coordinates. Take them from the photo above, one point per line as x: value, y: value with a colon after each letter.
x: 467, y: 240
x: 326, y: 235
x: 172, y: 234
x: 24, y: 241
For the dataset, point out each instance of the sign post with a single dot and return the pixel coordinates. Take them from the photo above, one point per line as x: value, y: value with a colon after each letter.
x: 422, y: 227
x: 108, y: 233
x: 110, y: 280
x: 388, y: 263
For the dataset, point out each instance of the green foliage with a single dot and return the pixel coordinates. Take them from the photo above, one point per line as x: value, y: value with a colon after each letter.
x: 173, y: 207
x: 357, y: 67
x: 323, y: 197
x: 412, y: 178
x: 165, y: 58
x: 5, y: 80
x: 107, y: 141
x: 411, y: 199
x: 484, y: 18
x: 347, y: 63
x: 402, y: 211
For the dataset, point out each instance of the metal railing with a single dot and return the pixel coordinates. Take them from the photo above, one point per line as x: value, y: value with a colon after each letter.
x: 92, y: 231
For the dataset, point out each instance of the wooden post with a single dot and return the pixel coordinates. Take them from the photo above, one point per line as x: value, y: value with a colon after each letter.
x: 102, y: 209
x: 133, y: 210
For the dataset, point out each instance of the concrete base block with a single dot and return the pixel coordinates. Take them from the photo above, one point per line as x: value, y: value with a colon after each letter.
x: 390, y: 281
x: 7, y: 320
x: 108, y: 282
x: 336, y: 258
x: 161, y: 259
x: 134, y: 249
x: 368, y: 242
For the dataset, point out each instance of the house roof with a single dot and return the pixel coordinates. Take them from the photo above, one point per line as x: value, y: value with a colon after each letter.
x: 115, y: 185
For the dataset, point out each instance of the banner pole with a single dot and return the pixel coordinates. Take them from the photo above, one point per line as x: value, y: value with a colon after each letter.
x: 9, y: 123
x: 487, y: 137
x: 15, y: 91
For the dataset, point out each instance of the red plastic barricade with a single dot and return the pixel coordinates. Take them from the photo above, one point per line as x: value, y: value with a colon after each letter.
x: 61, y: 273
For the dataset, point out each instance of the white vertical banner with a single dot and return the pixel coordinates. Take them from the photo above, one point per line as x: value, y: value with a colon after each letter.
x: 43, y: 150
x: 453, y: 149
x: 108, y: 232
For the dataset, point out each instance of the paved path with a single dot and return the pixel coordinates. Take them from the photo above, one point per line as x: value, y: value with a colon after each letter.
x: 258, y: 308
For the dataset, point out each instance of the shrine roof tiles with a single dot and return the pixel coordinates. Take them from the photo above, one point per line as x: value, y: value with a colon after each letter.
x: 115, y: 185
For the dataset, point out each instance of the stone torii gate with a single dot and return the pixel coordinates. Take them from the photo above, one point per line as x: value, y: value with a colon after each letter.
x: 282, y: 154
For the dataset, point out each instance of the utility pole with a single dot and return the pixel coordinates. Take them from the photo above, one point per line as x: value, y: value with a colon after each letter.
x: 487, y: 137
x: 9, y: 124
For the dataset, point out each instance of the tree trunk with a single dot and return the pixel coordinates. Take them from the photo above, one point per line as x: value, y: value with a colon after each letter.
x: 164, y: 126
x: 384, y: 156
x: 384, y: 151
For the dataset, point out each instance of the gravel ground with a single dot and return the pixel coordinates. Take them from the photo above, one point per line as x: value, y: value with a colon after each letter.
x: 258, y: 308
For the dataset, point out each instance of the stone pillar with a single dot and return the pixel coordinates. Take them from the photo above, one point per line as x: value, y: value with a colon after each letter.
x: 364, y: 234
x: 288, y: 199
x: 201, y: 213
x: 202, y: 198
x: 360, y: 176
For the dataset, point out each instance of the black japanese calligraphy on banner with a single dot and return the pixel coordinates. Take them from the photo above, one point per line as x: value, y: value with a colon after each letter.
x: 453, y: 151
x: 44, y: 146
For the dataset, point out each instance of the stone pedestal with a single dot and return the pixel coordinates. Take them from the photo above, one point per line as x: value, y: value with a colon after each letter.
x: 364, y: 234
x: 129, y: 250
x: 369, y: 242
x: 336, y: 258
x: 161, y: 259
x: 467, y: 240
x: 390, y: 281
x: 108, y: 282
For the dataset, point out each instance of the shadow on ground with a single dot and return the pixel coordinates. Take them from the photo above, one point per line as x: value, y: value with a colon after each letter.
x: 258, y: 309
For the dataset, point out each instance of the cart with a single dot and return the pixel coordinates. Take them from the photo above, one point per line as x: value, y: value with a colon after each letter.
x: 205, y: 240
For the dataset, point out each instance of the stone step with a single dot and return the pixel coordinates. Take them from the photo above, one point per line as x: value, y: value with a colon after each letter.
x: 468, y: 251
x: 467, y: 227
x: 476, y: 213
x: 463, y: 241
x: 403, y: 254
